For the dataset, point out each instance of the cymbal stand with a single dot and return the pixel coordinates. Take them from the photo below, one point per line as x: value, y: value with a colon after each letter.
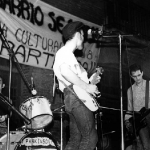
x: 61, y: 124
x: 11, y: 58
x: 8, y: 120
x: 4, y: 99
x: 10, y: 76
x: 14, y: 59
x: 61, y: 131
x: 61, y: 118
x: 55, y: 86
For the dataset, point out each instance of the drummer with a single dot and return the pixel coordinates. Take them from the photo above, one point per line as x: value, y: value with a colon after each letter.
x: 3, y: 113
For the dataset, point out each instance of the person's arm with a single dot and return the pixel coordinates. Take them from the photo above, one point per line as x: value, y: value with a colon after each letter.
x: 129, y: 98
x: 129, y: 106
x: 94, y: 79
x: 70, y: 76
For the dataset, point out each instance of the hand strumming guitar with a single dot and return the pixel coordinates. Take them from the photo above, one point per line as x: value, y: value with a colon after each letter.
x: 92, y: 89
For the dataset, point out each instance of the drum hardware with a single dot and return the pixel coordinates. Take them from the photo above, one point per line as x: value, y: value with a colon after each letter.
x: 109, y: 132
x: 62, y: 114
x: 98, y: 117
x: 12, y: 58
x: 36, y: 140
x: 61, y: 107
x: 9, y: 105
x: 24, y: 129
x: 61, y: 128
x: 32, y: 120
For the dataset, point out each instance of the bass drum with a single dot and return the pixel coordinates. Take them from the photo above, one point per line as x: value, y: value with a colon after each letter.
x: 33, y: 140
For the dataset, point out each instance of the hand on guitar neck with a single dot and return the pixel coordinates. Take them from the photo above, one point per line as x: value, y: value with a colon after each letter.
x: 95, y: 78
x: 88, y: 96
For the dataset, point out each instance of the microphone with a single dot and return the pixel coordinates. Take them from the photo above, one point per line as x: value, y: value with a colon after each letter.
x: 33, y: 91
x: 93, y: 31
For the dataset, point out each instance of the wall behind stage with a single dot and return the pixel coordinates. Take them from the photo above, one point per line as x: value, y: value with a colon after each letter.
x: 43, y: 78
x: 93, y: 11
x: 16, y: 24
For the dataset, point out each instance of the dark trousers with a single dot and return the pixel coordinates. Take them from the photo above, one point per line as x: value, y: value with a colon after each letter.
x: 144, y: 135
x: 83, y: 135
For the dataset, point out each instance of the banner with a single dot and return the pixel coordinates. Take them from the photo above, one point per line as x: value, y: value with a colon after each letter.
x: 33, y: 31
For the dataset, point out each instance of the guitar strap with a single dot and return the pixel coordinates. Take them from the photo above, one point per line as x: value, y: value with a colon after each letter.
x: 147, y: 94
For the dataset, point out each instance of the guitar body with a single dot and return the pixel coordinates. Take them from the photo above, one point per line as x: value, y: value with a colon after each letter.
x: 88, y: 100
x: 139, y: 122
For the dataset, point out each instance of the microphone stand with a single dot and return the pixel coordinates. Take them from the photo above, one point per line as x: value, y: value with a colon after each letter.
x: 4, y: 99
x: 8, y: 121
x: 121, y: 97
x: 12, y: 57
x: 120, y: 79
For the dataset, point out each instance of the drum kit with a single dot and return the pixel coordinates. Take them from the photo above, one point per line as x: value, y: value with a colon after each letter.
x: 37, y: 114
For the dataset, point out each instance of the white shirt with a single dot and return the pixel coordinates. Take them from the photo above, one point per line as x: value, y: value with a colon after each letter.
x: 65, y: 56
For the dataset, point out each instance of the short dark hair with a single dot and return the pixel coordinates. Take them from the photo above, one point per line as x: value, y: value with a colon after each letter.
x: 135, y: 67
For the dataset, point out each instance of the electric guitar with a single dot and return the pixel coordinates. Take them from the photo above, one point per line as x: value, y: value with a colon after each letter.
x: 139, y: 122
x: 89, y: 100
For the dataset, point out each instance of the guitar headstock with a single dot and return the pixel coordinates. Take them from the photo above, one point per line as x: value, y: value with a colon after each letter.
x: 99, y: 70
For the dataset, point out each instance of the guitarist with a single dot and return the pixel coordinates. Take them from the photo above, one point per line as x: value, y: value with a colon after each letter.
x: 83, y: 135
x: 137, y: 100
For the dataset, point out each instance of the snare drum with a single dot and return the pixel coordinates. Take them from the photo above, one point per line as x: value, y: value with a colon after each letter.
x: 38, y: 110
x: 34, y: 140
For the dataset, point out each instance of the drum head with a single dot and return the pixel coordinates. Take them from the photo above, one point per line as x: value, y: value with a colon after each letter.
x: 37, y: 141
